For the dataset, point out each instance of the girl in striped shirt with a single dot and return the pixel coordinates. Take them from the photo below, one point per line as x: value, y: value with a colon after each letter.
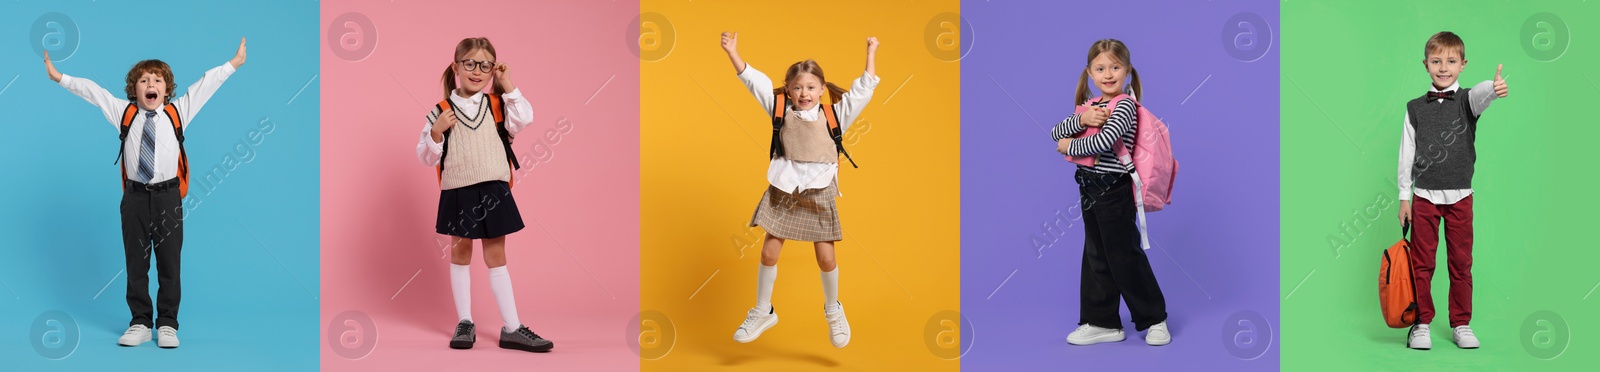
x: 1114, y: 266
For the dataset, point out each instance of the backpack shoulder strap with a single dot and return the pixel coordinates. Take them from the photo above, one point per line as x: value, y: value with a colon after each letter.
x: 779, y: 109
x: 177, y: 120
x: 498, y: 108
x: 779, y: 105
x: 122, y: 131
x: 836, y: 132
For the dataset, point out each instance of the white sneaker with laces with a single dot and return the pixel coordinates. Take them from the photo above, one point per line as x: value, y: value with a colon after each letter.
x: 168, y: 337
x: 838, y: 326
x: 136, y: 334
x: 1090, y: 335
x: 1465, y: 339
x: 1157, y: 335
x: 1419, y: 338
x: 755, y: 322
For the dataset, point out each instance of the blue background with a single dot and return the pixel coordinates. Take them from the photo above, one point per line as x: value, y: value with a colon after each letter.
x: 250, y: 255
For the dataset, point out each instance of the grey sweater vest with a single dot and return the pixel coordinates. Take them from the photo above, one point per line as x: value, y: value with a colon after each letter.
x: 1445, y: 136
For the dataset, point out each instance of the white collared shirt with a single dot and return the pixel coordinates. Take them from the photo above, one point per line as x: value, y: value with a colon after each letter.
x: 792, y: 176
x: 166, y: 142
x: 519, y: 115
x: 1480, y: 96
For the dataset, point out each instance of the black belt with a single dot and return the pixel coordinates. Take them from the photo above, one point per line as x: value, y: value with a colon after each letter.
x: 150, y: 187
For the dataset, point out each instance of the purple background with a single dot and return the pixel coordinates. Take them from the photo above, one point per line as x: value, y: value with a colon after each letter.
x: 1215, y: 249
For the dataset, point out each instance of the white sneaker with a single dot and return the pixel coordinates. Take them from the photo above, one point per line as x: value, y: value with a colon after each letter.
x: 1465, y: 339
x: 838, y: 326
x: 754, y: 323
x: 136, y: 334
x: 1090, y: 335
x: 1419, y: 338
x: 169, y: 337
x: 1157, y: 335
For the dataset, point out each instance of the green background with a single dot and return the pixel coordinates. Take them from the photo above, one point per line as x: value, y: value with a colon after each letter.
x: 1348, y: 68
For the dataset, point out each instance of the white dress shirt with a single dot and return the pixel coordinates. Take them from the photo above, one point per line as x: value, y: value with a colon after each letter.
x: 166, y: 142
x: 794, y: 176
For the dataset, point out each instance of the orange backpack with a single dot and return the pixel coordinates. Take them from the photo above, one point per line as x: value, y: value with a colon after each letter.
x: 131, y: 113
x: 497, y: 107
x: 780, y: 107
x: 1396, y: 288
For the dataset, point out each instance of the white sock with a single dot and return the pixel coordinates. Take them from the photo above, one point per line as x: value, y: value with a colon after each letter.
x: 500, y: 282
x: 461, y: 289
x: 830, y: 288
x: 764, y: 278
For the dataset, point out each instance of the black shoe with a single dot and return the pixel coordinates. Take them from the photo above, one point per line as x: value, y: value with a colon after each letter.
x: 525, y: 340
x: 464, y: 335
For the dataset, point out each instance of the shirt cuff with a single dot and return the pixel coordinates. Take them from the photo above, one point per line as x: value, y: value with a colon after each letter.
x: 515, y: 93
x: 65, y: 80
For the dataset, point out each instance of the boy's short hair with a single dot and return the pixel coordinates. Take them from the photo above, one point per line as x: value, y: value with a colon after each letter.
x: 1442, y: 41
x: 154, y: 66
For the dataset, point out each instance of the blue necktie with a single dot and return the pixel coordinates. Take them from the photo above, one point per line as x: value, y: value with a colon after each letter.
x: 147, y: 149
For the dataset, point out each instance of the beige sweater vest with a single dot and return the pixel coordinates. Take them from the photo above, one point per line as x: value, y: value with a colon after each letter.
x: 807, y: 141
x: 475, y: 153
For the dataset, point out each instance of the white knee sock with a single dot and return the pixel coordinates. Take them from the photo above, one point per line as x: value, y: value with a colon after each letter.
x: 764, y: 278
x: 830, y: 288
x: 500, y: 282
x: 461, y: 289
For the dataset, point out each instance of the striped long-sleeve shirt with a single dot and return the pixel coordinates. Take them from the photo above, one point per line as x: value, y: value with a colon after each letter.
x: 1122, y: 123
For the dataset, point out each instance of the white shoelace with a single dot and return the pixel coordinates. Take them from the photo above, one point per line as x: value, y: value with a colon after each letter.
x: 750, y: 319
x: 837, y: 325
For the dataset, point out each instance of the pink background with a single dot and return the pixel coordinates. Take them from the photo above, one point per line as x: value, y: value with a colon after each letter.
x: 576, y: 264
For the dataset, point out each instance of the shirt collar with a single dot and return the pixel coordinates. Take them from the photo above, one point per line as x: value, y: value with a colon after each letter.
x: 1451, y: 88
x: 466, y: 101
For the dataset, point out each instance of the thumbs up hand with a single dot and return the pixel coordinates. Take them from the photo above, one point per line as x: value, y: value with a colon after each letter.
x: 1500, y: 89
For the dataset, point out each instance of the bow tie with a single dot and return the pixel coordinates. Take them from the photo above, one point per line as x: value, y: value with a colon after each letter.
x: 1450, y: 95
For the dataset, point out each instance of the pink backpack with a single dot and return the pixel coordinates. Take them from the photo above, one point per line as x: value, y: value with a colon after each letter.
x: 1154, y: 167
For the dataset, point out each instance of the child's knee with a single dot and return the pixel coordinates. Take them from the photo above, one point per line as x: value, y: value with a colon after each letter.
x: 826, y: 263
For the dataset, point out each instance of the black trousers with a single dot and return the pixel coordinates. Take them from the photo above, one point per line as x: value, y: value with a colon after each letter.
x: 1114, y: 266
x: 152, y: 227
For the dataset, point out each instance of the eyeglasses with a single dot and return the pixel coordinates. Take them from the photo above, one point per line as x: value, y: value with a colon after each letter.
x: 471, y: 65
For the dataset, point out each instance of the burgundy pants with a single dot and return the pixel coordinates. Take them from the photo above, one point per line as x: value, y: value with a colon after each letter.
x: 1425, y: 217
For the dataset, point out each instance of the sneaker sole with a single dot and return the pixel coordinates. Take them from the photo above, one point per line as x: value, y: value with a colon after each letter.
x: 1099, y: 339
x: 759, y: 330
x: 1158, y: 343
x: 168, y: 346
x: 536, y: 349
x: 460, y: 345
x: 141, y: 342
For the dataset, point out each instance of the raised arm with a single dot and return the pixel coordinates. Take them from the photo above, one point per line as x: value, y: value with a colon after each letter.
x: 730, y: 44
x: 519, y: 111
x: 50, y: 67
x: 1480, y: 96
x: 872, y: 53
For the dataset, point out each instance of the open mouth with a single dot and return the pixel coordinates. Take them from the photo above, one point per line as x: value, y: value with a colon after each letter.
x: 150, y: 96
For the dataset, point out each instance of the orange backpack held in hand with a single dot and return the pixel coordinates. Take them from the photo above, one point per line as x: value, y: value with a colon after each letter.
x: 1397, y: 294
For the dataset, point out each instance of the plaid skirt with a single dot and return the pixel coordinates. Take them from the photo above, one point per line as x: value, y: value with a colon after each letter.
x: 811, y: 215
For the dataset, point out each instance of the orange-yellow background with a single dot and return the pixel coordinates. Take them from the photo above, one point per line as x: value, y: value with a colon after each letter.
x: 703, y: 164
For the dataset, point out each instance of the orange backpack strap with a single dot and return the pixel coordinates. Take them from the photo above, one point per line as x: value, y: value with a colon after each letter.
x: 837, y: 133
x: 131, y: 113
x: 443, y: 107
x: 498, y: 108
